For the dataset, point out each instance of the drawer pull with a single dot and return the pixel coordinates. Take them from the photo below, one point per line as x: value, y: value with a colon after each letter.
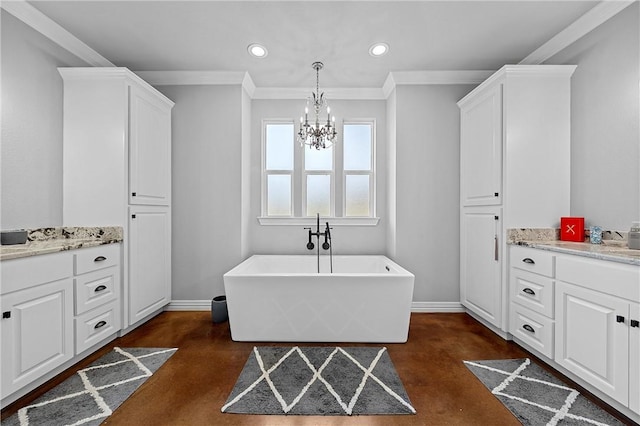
x: 100, y: 259
x: 528, y: 328
x: 634, y: 323
x: 100, y: 325
x: 529, y: 260
x: 619, y: 318
x: 100, y: 288
x: 529, y: 291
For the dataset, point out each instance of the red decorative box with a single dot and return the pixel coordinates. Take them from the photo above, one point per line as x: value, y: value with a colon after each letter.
x: 572, y: 229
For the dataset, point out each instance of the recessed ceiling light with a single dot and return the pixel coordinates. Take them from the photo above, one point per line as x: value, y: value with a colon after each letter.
x: 257, y: 50
x: 378, y: 49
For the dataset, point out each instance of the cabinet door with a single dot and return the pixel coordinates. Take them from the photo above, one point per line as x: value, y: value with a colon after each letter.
x: 149, y: 286
x: 150, y: 149
x: 37, y: 332
x: 480, y: 263
x: 634, y: 358
x: 592, y: 338
x: 481, y: 149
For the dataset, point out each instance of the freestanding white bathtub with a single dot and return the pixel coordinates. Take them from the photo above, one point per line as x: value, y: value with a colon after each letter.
x: 282, y: 298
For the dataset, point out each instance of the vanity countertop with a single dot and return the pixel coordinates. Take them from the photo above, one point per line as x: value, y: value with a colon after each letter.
x: 52, y: 240
x: 611, y: 252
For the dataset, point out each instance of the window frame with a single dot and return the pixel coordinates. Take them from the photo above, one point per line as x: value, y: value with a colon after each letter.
x: 371, y: 173
x: 299, y: 181
x: 266, y: 172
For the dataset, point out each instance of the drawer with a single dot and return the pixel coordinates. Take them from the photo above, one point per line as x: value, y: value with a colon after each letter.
x: 532, y: 328
x: 532, y: 260
x: 25, y: 272
x: 94, y: 326
x: 616, y: 279
x: 96, y: 288
x: 94, y: 258
x: 532, y: 291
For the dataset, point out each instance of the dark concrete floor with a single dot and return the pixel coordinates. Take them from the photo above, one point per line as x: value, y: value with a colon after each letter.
x: 192, y: 386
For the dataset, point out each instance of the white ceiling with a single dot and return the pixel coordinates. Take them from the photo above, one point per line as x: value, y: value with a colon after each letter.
x: 205, y: 35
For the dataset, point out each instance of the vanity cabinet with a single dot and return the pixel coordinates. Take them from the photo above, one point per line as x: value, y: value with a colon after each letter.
x: 512, y: 124
x: 531, y: 286
x: 598, y: 325
x: 56, y: 308
x: 117, y: 157
x: 37, y: 318
x: 97, y: 295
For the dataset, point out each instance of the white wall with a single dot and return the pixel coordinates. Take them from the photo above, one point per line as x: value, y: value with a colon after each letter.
x: 31, y: 149
x: 293, y: 239
x: 206, y: 187
x: 605, y: 120
x: 427, y: 188
x: 217, y: 159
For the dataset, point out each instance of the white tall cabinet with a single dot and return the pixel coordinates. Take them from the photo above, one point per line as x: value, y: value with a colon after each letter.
x: 514, y: 173
x: 117, y: 172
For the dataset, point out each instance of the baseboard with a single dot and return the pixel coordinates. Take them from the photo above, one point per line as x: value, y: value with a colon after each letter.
x: 189, y: 305
x: 205, y: 305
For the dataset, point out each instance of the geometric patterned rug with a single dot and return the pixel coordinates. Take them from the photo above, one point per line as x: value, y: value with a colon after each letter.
x: 93, y: 393
x: 318, y: 381
x: 535, y: 396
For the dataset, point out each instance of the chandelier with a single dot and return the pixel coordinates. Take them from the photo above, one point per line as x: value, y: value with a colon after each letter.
x: 313, y: 134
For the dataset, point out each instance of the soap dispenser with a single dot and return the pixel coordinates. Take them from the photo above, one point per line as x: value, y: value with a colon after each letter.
x: 634, y: 236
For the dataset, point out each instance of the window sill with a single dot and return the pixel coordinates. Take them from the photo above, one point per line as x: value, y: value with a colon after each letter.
x: 309, y: 221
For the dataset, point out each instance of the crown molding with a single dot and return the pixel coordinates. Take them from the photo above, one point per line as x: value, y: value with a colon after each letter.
x: 50, y: 29
x: 361, y: 93
x: 595, y: 17
x: 186, y: 78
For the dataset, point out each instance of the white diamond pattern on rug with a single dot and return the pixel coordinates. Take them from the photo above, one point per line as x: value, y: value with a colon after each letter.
x: 536, y: 397
x: 92, y: 394
x: 317, y: 380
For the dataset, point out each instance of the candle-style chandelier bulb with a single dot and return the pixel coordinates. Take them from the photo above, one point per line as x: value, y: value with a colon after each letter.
x: 314, y: 135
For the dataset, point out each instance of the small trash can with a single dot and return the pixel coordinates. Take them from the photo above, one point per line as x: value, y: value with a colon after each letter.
x: 219, y: 309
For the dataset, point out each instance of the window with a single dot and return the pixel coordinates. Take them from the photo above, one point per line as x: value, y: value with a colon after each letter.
x: 358, y: 169
x: 278, y: 169
x: 337, y: 182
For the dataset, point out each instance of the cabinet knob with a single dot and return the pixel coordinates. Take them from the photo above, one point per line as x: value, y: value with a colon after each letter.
x: 133, y: 194
x: 619, y: 318
x: 634, y: 323
x: 528, y: 328
x: 100, y: 288
x: 529, y: 260
x: 100, y: 325
x: 495, y: 194
x: 6, y: 315
x: 529, y: 291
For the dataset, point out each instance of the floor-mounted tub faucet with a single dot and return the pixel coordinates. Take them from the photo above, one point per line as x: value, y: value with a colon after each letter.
x: 327, y: 240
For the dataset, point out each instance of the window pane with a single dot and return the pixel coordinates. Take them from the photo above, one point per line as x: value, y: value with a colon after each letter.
x: 357, y: 146
x: 319, y: 195
x: 279, y: 146
x: 278, y: 195
x: 318, y: 159
x: 357, y: 195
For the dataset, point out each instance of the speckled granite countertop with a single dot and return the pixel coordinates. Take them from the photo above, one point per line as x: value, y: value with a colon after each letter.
x: 613, y: 248
x: 52, y: 240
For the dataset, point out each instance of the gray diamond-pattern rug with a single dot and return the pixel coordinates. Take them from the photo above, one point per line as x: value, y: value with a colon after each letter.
x: 94, y: 392
x: 318, y: 381
x: 535, y: 396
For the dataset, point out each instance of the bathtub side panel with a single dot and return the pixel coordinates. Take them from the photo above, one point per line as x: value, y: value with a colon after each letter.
x: 314, y: 308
